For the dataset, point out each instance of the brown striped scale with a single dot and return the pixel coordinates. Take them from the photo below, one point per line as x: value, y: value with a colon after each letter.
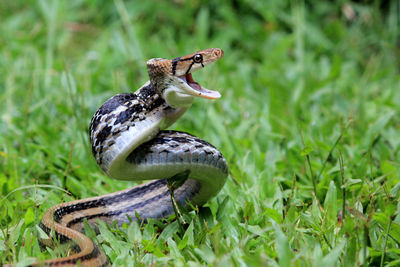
x: 129, y: 143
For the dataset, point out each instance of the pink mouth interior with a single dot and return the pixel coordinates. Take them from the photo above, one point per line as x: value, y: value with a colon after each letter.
x: 203, y: 92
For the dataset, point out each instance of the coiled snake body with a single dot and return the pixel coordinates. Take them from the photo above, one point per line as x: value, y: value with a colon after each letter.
x: 128, y: 142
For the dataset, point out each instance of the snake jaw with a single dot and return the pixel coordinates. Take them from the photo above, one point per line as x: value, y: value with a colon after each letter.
x: 196, y: 89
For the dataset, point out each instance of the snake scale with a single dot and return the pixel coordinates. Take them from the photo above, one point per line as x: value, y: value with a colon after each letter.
x: 129, y: 143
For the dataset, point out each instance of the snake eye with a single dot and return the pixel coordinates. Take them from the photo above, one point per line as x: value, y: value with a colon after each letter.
x: 198, y: 58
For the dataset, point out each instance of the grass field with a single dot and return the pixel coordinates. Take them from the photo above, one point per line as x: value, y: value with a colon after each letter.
x: 309, y: 122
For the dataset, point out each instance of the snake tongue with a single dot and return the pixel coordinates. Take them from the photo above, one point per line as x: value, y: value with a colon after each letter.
x: 198, y: 89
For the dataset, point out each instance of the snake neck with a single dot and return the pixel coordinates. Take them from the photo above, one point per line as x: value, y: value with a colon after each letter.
x: 127, y: 120
x: 171, y: 89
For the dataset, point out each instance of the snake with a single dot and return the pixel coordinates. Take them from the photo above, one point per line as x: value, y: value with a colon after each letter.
x: 130, y: 141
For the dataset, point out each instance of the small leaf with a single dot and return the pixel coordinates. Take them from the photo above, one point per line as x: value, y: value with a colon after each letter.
x: 332, y: 258
x: 205, y: 253
x: 254, y: 229
x: 42, y: 234
x: 222, y: 208
x: 169, y: 230
x: 189, y: 235
x: 273, y: 214
x: 390, y: 170
x: 173, y: 248
x: 383, y: 220
x: 306, y: 150
x: 394, y: 192
x: 330, y: 204
x: 29, y: 216
x: 183, y: 242
x: 350, y: 181
x: 134, y: 234
x: 282, y: 248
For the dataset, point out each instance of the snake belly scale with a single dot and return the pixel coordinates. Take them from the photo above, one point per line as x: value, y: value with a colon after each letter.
x: 129, y: 142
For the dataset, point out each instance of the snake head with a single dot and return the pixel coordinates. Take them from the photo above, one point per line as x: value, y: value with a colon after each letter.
x: 173, y: 79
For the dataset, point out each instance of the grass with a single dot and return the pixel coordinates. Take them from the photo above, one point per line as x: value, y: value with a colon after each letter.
x: 309, y: 123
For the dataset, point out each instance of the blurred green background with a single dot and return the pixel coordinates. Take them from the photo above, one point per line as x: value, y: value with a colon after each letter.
x: 304, y: 84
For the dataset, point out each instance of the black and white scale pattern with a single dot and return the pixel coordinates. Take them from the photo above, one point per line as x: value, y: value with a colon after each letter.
x: 118, y: 114
x: 173, y: 147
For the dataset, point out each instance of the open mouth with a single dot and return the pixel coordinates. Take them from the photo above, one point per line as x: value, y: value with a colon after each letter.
x: 198, y: 90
